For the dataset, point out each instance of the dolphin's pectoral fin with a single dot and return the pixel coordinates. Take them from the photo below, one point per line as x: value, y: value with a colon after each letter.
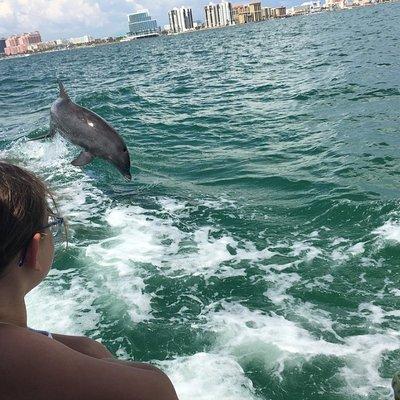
x: 46, y: 136
x: 83, y: 159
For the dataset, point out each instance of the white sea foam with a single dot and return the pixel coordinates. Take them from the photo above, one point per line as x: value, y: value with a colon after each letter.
x: 209, y: 376
x: 319, y: 319
x: 390, y: 231
x: 356, y: 249
x: 276, y: 341
x: 47, y: 158
x: 220, y: 204
x: 172, y: 205
x: 339, y: 255
x: 141, y: 237
x: 320, y: 282
x: 309, y: 251
x: 372, y: 313
x: 363, y: 359
x: 209, y: 253
x: 138, y: 237
x: 120, y: 254
x: 339, y: 240
x: 270, y: 335
x: 343, y: 253
x: 395, y: 292
x: 140, y: 240
x: 125, y: 285
x: 376, y: 314
x: 281, y: 283
x: 81, y: 202
x: 75, y: 192
x: 63, y: 303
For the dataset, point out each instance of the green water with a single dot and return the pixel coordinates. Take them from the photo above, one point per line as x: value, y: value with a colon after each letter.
x: 255, y: 254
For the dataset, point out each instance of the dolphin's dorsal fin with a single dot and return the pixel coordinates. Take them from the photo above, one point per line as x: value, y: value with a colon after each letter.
x: 63, y: 93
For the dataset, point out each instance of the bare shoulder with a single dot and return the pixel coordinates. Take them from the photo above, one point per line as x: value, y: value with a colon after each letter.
x: 36, y: 367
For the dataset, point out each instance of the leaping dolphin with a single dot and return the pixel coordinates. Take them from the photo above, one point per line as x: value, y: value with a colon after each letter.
x: 88, y: 130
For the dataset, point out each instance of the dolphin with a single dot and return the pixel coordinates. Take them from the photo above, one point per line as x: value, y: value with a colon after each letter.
x: 88, y: 130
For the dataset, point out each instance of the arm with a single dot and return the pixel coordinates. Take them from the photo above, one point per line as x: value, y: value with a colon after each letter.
x: 94, y: 349
x: 132, y: 364
x: 84, y: 345
x: 35, y: 367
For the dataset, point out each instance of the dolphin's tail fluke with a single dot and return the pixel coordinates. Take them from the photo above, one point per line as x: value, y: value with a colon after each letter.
x: 63, y: 92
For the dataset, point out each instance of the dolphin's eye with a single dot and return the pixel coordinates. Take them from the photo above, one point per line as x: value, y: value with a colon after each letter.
x: 125, y: 150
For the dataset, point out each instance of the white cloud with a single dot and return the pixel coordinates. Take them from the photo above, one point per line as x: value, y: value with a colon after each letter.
x: 67, y: 18
x: 53, y: 16
x: 6, y: 10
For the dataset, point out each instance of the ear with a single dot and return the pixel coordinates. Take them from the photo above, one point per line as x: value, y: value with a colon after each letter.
x: 32, y: 253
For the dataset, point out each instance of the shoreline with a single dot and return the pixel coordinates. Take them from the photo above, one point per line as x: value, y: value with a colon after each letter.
x: 126, y: 39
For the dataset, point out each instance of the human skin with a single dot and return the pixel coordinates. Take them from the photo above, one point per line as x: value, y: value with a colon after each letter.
x: 36, y: 367
x: 95, y: 349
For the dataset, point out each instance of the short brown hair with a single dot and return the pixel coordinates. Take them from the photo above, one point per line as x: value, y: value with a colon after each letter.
x: 23, y: 207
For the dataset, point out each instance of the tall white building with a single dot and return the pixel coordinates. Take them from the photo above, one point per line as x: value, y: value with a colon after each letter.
x: 219, y: 14
x: 315, y: 5
x: 336, y: 3
x: 81, y: 40
x: 180, y: 19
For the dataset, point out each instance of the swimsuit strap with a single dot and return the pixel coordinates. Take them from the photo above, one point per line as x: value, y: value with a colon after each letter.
x: 45, y: 333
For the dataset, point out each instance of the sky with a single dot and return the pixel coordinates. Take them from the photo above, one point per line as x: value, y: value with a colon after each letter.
x: 56, y: 19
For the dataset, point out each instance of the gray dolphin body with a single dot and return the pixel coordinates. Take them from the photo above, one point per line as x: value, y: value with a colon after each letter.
x: 88, y: 130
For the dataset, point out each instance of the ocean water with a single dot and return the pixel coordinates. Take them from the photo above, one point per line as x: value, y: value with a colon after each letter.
x: 255, y: 255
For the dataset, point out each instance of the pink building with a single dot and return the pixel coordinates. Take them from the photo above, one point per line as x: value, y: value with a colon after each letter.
x: 18, y: 44
x: 22, y: 48
x: 23, y: 40
x: 12, y: 41
x: 30, y: 38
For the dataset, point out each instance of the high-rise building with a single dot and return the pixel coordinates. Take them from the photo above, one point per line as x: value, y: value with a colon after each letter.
x: 2, y: 45
x: 219, y: 14
x: 141, y: 24
x: 18, y: 44
x: 241, y: 14
x: 269, y: 13
x: 315, y: 5
x: 81, y: 40
x: 62, y: 42
x: 180, y: 19
x: 30, y: 38
x: 341, y: 3
x: 344, y: 4
x: 255, y: 11
x: 280, y: 12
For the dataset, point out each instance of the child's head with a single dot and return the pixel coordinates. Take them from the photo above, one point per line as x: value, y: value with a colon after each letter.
x: 26, y: 244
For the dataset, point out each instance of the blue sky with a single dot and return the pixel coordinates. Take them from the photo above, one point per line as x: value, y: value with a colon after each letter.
x: 69, y: 18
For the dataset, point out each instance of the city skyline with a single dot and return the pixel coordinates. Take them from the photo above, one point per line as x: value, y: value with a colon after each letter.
x: 98, y: 18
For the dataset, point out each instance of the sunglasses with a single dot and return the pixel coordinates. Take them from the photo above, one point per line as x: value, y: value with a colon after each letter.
x: 54, y: 226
